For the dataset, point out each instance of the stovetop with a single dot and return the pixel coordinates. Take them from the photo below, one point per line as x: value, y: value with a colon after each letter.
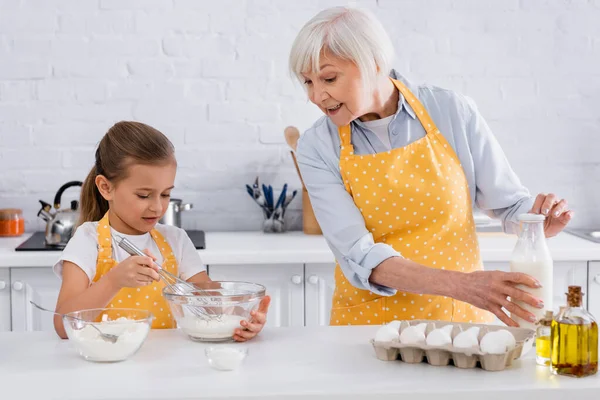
x: 37, y: 242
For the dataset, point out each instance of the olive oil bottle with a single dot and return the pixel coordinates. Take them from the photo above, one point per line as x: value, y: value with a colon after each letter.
x: 574, y: 337
x: 542, y: 340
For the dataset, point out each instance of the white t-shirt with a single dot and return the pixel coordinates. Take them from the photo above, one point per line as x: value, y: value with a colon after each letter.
x: 82, y: 249
x: 380, y: 128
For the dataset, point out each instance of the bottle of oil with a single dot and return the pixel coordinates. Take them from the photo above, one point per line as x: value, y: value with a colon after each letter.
x: 542, y: 340
x: 574, y: 337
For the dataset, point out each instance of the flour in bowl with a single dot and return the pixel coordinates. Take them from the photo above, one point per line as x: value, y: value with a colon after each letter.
x: 92, y: 346
x: 212, y: 328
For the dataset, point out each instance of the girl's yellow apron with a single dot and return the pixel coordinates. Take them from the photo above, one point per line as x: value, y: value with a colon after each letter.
x: 144, y: 298
x: 415, y: 199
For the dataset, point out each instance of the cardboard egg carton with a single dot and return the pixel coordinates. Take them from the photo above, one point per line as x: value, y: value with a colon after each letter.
x: 460, y: 357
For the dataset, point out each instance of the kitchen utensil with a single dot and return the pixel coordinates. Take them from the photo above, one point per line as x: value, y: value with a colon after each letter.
x: 232, y: 301
x: 173, y: 214
x: 106, y: 336
x: 310, y: 225
x: 178, y: 286
x: 297, y: 168
x: 258, y: 197
x: 292, y: 135
x: 288, y: 200
x: 130, y: 325
x: 60, y: 225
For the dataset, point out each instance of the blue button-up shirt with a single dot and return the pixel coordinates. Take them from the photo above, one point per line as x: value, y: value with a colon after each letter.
x: 494, y: 187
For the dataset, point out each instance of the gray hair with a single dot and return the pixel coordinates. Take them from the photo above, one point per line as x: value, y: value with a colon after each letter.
x: 349, y: 33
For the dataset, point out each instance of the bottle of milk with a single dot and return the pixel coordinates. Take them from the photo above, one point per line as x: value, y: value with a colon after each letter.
x: 531, y: 256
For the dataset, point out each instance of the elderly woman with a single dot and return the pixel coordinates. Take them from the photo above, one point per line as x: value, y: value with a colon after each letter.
x: 393, y: 170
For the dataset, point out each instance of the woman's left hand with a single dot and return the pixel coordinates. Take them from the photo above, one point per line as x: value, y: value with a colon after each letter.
x: 256, y: 324
x: 557, y: 213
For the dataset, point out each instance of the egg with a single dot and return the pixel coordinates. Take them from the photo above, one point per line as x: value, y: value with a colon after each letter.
x: 467, y: 339
x: 413, y: 334
x: 395, y: 325
x: 509, y: 338
x: 440, y: 337
x: 386, y: 334
x: 498, y: 342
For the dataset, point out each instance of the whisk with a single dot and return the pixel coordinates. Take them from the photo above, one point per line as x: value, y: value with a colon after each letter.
x: 174, y: 283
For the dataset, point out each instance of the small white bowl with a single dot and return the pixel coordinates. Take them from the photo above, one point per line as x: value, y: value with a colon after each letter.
x: 225, y: 358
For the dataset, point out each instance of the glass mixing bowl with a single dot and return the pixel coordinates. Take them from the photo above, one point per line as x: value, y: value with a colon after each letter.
x: 214, y: 311
x: 130, y: 325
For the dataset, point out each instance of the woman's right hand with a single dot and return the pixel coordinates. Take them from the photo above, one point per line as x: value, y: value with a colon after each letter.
x: 134, y: 271
x: 489, y: 290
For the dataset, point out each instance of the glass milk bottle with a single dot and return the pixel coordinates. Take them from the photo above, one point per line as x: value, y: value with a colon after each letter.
x: 532, y: 257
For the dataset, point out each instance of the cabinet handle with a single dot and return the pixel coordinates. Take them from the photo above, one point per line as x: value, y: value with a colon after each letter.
x: 2, y: 285
x: 313, y: 279
x: 296, y: 279
x: 18, y: 285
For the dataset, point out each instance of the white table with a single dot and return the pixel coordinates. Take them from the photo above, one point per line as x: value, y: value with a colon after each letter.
x: 283, y: 363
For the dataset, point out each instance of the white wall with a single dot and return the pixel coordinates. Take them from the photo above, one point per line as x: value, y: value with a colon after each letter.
x: 212, y: 76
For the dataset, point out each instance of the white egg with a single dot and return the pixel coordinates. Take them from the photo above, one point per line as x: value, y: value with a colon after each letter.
x: 467, y: 338
x: 498, y: 342
x: 440, y: 337
x: 386, y: 334
x: 395, y: 325
x: 509, y: 338
x: 413, y: 334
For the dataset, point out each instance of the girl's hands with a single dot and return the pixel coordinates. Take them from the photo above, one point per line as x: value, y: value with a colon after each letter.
x: 135, y: 271
x: 256, y: 324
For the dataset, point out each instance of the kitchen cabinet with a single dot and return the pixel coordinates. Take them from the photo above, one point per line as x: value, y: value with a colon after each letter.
x: 284, y: 283
x: 319, y: 287
x: 39, y: 285
x: 5, y: 323
x: 594, y: 289
x: 566, y: 273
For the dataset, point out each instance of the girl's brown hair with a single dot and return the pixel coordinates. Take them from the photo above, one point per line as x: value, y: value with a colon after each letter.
x: 125, y: 143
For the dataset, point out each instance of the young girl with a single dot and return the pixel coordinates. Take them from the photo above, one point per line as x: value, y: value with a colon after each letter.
x: 126, y: 193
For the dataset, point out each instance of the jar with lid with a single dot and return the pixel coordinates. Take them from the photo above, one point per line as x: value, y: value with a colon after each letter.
x: 12, y: 222
x: 531, y: 256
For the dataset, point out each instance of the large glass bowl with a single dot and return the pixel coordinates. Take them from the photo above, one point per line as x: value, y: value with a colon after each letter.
x: 214, y: 311
x: 130, y: 325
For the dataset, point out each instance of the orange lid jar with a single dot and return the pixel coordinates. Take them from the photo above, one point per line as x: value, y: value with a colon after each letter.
x: 12, y: 222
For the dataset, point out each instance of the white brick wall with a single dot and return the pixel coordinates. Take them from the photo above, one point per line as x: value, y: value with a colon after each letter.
x: 212, y: 76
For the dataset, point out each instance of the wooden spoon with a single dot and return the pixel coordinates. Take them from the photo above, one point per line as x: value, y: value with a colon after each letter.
x: 291, y: 136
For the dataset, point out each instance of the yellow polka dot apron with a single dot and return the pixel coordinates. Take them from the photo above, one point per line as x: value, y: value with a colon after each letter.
x: 415, y: 199
x: 144, y: 298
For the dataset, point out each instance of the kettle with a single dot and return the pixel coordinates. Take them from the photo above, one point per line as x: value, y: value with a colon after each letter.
x: 60, y: 225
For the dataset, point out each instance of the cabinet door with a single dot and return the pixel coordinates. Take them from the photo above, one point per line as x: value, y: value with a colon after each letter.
x: 284, y: 283
x: 594, y: 289
x: 4, y: 300
x: 566, y: 273
x: 318, y: 294
x: 39, y: 285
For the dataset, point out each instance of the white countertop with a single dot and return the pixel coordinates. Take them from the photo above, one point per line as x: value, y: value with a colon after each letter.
x: 298, y: 363
x: 295, y: 247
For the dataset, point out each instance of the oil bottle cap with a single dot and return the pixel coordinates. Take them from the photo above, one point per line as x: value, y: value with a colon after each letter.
x: 574, y: 297
x: 548, y: 317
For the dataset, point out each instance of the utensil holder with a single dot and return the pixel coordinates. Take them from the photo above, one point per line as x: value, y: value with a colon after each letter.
x: 274, y: 225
